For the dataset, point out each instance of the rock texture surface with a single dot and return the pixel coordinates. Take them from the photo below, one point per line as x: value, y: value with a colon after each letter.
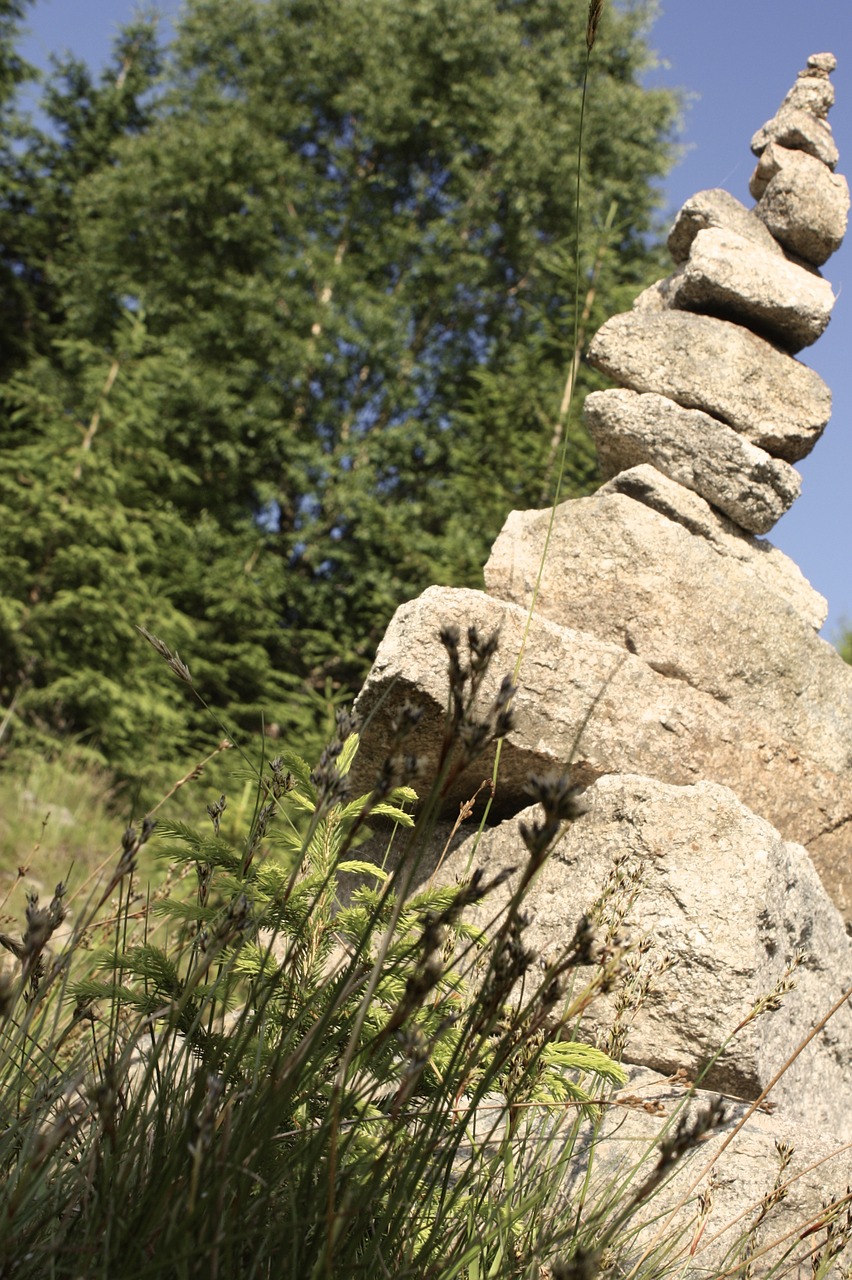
x: 729, y: 276
x: 729, y: 903
x: 802, y: 203
x: 751, y: 487
x: 628, y: 575
x: 590, y: 707
x: 723, y: 369
x: 717, y: 208
x: 742, y: 1173
x: 772, y: 568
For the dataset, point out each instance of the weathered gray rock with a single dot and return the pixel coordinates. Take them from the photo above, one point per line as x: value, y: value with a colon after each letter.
x: 730, y: 276
x: 691, y: 1244
x: 722, y: 368
x: 658, y: 296
x: 734, y: 1168
x: 802, y: 203
x: 800, y: 122
x: 722, y: 895
x: 811, y: 94
x: 623, y: 573
x: 693, y: 449
x: 801, y: 130
x: 581, y: 701
x: 760, y: 558
x: 821, y: 64
x: 588, y: 706
x: 717, y: 208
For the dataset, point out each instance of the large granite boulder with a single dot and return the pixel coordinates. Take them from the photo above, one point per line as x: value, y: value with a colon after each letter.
x: 709, y: 1218
x: 759, y: 558
x: 586, y: 706
x: 725, y: 904
x: 627, y: 575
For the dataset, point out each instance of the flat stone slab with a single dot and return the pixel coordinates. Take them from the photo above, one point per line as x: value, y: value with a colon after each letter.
x: 730, y: 276
x: 695, y: 450
x: 705, y: 363
x: 801, y: 202
x: 717, y: 208
x: 771, y: 567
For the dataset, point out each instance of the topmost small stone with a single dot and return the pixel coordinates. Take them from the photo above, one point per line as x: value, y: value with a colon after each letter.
x: 825, y: 62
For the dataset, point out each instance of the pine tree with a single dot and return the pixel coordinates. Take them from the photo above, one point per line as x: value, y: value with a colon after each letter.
x: 348, y: 231
x: 14, y: 290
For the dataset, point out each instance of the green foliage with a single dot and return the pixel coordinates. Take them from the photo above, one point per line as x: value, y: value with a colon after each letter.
x: 95, y: 546
x: 300, y: 309
x: 55, y: 814
x: 288, y: 1063
x: 274, y: 1082
x: 42, y: 169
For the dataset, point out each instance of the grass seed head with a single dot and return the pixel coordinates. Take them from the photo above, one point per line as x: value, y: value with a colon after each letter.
x: 595, y: 11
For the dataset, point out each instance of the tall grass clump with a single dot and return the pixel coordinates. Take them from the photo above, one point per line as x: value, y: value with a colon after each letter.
x: 288, y: 1062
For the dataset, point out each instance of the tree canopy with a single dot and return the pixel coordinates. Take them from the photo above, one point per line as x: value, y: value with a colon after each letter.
x: 289, y: 320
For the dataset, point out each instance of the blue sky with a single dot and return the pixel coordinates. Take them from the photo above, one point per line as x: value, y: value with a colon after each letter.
x: 735, y: 59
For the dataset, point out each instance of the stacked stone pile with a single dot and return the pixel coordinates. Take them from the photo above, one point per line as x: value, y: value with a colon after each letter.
x: 673, y: 665
x: 695, y: 639
x: 698, y: 444
x: 714, y: 397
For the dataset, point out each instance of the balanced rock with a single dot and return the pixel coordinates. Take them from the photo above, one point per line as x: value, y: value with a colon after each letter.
x: 627, y: 575
x: 799, y: 130
x: 802, y: 203
x: 706, y: 363
x: 588, y: 707
x: 695, y: 450
x: 800, y: 122
x: 664, y: 654
x: 717, y: 335
x: 730, y: 276
x: 717, y: 208
x: 813, y: 90
x: 759, y: 558
x: 728, y: 902
x: 582, y: 703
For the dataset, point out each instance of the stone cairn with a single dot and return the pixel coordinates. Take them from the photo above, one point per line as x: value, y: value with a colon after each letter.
x: 673, y: 667
x: 715, y: 400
